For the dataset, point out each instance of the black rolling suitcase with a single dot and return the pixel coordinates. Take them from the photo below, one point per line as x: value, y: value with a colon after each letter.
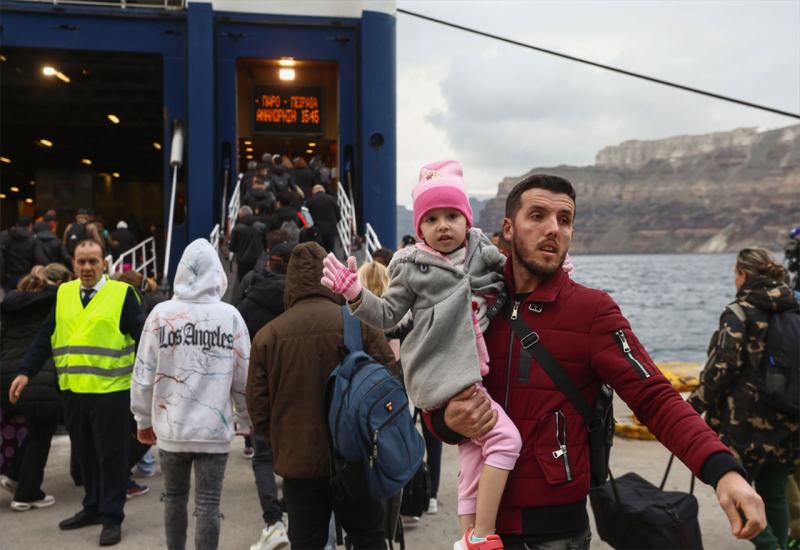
x: 630, y: 512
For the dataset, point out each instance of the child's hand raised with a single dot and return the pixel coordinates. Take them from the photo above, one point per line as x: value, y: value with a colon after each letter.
x: 339, y: 278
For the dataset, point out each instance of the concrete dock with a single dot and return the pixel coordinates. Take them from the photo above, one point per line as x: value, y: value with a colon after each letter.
x: 143, y: 526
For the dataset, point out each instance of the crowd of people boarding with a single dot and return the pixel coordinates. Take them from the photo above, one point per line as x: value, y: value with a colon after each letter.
x: 127, y: 369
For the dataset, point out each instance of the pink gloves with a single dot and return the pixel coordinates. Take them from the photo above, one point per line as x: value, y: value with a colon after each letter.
x: 339, y: 278
x: 567, y: 266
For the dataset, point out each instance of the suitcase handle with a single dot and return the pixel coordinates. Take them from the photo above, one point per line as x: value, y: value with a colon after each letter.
x: 660, y: 487
x: 666, y: 473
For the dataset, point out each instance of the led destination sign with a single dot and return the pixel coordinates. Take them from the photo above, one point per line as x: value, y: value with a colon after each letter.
x: 287, y: 110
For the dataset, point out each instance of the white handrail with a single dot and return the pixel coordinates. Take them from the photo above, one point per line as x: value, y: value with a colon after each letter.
x: 142, y: 258
x: 372, y: 244
x: 233, y: 209
x: 214, y: 237
x: 347, y: 222
x: 234, y: 203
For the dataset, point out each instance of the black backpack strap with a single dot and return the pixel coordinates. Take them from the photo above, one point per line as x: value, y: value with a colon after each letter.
x: 531, y: 346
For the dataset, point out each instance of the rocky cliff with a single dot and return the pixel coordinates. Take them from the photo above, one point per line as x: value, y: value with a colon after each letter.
x: 711, y: 193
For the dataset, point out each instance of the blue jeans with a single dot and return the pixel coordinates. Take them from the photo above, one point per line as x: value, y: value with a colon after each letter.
x: 265, y: 481
x: 209, y: 470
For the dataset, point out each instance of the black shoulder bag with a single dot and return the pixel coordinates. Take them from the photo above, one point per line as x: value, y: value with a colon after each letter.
x: 599, y: 420
x: 631, y: 512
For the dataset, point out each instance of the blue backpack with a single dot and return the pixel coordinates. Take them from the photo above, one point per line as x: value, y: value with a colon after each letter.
x: 375, y: 447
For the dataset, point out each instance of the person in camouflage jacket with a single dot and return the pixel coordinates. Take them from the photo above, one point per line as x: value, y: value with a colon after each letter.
x: 766, y: 441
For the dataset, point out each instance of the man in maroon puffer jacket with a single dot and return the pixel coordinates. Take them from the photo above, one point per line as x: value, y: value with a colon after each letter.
x: 544, y: 504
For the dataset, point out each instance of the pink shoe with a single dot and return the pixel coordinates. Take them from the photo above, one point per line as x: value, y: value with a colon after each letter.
x: 492, y: 542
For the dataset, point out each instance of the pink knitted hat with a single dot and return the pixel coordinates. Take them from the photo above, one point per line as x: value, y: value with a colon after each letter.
x: 441, y: 185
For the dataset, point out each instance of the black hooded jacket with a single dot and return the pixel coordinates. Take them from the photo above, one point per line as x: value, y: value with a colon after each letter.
x: 260, y: 200
x: 325, y: 212
x: 19, y: 251
x: 263, y: 301
x: 304, y: 178
x: 22, y: 315
x: 51, y: 249
x: 247, y: 240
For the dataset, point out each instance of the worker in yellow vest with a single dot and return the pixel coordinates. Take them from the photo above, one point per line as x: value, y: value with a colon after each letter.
x: 91, y: 334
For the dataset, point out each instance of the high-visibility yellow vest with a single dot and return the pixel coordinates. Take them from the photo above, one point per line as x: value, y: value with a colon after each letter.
x: 90, y: 353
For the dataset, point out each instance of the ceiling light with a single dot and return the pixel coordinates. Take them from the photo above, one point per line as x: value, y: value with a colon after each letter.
x: 249, y: 157
x: 248, y: 142
x: 156, y: 146
x: 14, y: 189
x: 286, y: 74
x: 115, y: 174
x: 29, y: 201
x: 87, y: 162
x: 312, y: 144
x: 45, y: 142
x: 249, y: 149
x: 33, y: 182
x: 2, y: 57
x: 287, y: 62
x: 52, y: 71
x: 5, y: 160
x: 113, y: 118
x: 309, y: 151
x: 2, y: 195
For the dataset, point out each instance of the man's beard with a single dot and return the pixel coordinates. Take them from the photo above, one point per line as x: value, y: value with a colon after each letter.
x: 537, y: 269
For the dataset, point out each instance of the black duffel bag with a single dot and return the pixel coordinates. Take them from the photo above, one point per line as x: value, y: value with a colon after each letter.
x: 630, y: 512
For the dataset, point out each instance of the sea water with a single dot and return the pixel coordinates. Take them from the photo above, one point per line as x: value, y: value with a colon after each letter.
x: 672, y: 301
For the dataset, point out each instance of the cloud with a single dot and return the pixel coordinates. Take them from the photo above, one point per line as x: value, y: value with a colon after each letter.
x: 502, y: 110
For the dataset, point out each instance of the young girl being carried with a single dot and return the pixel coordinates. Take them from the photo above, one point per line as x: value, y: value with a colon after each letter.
x: 445, y: 281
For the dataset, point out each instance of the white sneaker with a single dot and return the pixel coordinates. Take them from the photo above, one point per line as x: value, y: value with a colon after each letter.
x: 8, y: 484
x: 273, y: 537
x: 433, y: 506
x: 48, y: 500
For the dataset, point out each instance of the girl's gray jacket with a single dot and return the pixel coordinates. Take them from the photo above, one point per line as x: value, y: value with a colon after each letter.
x: 440, y: 354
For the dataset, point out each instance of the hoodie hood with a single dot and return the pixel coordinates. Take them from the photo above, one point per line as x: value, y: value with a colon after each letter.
x: 304, y: 273
x: 767, y: 294
x: 259, y: 193
x: 46, y: 236
x: 200, y: 276
x: 19, y: 233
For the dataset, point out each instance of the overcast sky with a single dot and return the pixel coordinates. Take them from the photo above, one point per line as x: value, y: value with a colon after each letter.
x: 502, y: 110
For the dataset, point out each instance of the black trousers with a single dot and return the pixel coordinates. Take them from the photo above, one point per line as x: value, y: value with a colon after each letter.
x: 309, y: 503
x: 99, y: 424
x: 27, y: 468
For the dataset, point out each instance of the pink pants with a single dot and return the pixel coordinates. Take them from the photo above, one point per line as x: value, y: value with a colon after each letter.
x: 499, y: 448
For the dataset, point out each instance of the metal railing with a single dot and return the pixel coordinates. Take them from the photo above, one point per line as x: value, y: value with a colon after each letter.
x: 233, y: 210
x: 124, y: 4
x: 372, y: 242
x: 214, y: 237
x: 347, y: 224
x: 141, y: 258
x: 233, y: 206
